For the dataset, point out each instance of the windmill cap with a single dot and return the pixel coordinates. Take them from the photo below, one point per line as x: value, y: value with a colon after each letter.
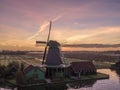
x: 53, y: 43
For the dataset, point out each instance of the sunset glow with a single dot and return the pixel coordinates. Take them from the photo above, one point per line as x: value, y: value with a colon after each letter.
x: 22, y: 22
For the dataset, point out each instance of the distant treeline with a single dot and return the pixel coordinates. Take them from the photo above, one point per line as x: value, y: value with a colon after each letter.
x: 112, y: 52
x: 91, y: 45
x: 108, y: 52
x: 10, y: 52
x: 97, y: 56
x: 5, y: 52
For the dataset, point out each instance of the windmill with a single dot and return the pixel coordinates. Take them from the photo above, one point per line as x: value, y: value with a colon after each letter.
x: 52, y: 57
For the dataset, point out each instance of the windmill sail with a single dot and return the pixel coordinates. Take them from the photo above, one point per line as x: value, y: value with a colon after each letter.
x: 47, y: 43
x: 49, y: 32
x: 41, y: 42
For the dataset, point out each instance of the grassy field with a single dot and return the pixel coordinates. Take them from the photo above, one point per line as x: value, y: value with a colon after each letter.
x: 26, y: 59
x: 36, y: 61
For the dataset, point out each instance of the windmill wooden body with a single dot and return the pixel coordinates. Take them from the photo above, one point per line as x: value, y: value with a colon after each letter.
x: 52, y: 59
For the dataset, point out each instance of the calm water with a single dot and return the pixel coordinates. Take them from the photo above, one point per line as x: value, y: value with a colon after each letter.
x: 113, y: 83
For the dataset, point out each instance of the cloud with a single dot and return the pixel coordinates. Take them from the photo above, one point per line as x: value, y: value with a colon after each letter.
x: 43, y: 27
x: 14, y: 37
x: 96, y: 35
x: 9, y: 32
x: 80, y: 24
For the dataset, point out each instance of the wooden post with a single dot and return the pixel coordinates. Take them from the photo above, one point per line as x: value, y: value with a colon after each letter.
x: 79, y: 74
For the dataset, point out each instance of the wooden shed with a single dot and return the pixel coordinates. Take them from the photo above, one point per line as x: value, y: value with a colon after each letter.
x: 33, y: 74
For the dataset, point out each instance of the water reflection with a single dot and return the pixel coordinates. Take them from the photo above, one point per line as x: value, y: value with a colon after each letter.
x: 118, y: 72
x: 109, y: 84
x: 51, y: 87
x: 113, y: 83
x: 77, y: 85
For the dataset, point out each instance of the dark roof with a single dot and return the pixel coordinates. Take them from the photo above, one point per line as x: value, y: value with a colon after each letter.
x: 27, y: 69
x: 117, y: 64
x: 78, y: 66
x: 53, y: 43
x: 30, y: 67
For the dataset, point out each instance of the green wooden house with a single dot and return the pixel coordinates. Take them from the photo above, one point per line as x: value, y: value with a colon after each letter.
x: 34, y: 74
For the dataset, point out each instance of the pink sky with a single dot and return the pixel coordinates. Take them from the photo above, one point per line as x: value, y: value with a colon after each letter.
x: 22, y: 22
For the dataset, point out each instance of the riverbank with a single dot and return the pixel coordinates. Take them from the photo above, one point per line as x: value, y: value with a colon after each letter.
x: 97, y: 76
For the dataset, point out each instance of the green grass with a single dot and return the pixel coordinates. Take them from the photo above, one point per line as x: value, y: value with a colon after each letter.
x: 96, y: 76
x: 84, y: 77
x: 12, y: 81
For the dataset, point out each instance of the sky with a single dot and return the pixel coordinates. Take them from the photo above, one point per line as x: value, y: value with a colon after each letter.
x: 22, y: 22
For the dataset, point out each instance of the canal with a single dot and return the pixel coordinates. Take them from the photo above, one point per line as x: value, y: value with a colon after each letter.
x: 113, y: 83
